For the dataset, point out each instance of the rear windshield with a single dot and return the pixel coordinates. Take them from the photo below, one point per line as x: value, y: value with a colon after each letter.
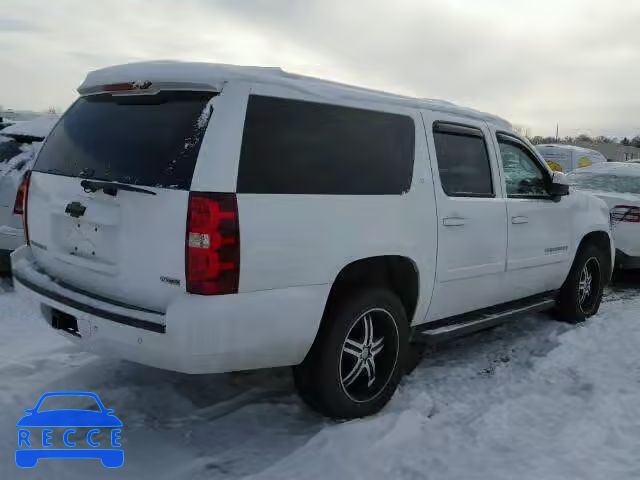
x: 605, y: 183
x: 150, y: 140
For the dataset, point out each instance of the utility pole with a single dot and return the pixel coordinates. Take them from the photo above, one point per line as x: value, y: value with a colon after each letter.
x: 557, y: 127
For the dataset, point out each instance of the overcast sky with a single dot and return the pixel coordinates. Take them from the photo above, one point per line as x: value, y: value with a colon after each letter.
x: 535, y: 62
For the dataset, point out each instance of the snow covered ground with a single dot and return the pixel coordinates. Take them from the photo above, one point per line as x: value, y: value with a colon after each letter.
x: 533, y: 399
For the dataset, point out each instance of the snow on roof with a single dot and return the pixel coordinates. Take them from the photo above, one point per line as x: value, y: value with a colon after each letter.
x: 37, y: 128
x: 612, y: 168
x: 214, y: 76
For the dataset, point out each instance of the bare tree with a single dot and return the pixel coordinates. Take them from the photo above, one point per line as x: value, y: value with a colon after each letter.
x: 538, y: 139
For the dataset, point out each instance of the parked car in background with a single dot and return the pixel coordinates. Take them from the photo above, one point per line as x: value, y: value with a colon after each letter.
x: 4, y: 123
x: 19, y: 143
x: 618, y: 184
x: 566, y: 158
x: 211, y: 218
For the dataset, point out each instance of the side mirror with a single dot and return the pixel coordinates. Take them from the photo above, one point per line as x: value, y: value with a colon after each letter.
x: 559, y: 185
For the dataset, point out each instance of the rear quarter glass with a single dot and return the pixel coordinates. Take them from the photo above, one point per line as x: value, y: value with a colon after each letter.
x: 150, y: 140
x: 302, y: 147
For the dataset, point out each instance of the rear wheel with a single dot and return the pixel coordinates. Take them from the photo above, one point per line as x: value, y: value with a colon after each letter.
x: 581, y: 293
x: 357, y: 360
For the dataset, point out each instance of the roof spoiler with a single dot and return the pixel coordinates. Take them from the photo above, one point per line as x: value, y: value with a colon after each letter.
x: 145, y: 87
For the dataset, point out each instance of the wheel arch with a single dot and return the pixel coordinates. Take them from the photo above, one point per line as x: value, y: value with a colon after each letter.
x: 602, y: 240
x: 397, y: 273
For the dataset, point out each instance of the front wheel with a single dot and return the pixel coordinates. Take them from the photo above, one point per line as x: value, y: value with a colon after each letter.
x: 581, y: 293
x: 357, y: 360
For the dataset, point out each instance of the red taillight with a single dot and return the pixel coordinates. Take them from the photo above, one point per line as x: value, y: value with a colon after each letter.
x: 625, y: 213
x: 212, y: 246
x: 20, y: 206
x: 124, y: 87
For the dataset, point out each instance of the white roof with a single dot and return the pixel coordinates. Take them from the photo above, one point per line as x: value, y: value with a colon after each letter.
x: 38, y: 127
x: 611, y: 168
x: 213, y: 76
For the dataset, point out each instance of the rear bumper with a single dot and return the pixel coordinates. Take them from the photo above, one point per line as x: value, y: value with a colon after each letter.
x: 626, y: 262
x: 627, y: 244
x: 197, y: 334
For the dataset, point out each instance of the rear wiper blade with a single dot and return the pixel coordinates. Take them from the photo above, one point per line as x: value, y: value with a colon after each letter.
x: 111, y: 188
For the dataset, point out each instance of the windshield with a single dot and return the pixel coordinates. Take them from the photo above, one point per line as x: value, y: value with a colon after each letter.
x: 150, y: 140
x: 605, y: 182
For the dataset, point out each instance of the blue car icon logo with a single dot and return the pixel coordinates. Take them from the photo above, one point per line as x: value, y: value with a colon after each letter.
x: 39, y: 429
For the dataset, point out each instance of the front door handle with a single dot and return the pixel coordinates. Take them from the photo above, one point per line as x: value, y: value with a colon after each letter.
x: 453, y: 221
x: 519, y: 220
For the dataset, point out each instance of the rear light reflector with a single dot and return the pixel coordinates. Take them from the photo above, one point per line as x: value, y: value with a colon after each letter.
x: 20, y: 205
x: 625, y: 213
x: 212, y: 244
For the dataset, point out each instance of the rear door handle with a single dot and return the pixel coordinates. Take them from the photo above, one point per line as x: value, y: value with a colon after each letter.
x: 453, y: 221
x: 519, y: 220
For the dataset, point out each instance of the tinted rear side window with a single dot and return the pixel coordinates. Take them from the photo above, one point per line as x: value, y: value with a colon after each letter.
x: 463, y: 161
x: 299, y: 147
x: 148, y: 140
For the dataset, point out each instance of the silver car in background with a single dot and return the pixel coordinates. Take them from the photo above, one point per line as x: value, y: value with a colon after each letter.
x: 618, y: 184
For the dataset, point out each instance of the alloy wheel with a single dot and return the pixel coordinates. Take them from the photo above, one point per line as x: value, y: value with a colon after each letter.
x: 589, y: 284
x: 369, y: 355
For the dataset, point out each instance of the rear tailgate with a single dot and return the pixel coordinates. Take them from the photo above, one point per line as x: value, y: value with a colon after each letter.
x: 87, y: 227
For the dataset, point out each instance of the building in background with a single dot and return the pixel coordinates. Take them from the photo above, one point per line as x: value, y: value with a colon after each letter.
x: 613, y: 152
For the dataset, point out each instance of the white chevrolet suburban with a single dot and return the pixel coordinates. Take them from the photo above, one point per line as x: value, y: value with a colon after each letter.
x: 210, y: 218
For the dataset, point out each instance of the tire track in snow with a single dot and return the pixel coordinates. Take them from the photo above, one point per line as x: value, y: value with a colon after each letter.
x: 238, y: 425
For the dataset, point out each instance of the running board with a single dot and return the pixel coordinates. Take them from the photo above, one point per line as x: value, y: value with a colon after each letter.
x: 467, y: 323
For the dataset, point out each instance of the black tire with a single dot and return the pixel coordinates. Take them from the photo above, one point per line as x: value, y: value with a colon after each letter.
x: 336, y: 382
x: 571, y: 305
